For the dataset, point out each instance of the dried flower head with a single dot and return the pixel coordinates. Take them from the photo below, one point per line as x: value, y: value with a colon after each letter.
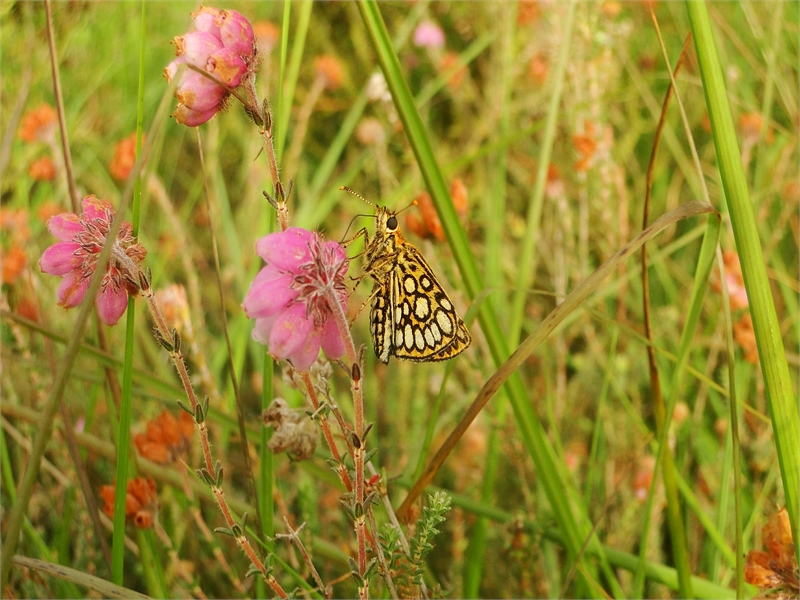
x: 75, y: 256
x: 294, y: 432
x: 141, y: 501
x: 290, y: 297
x: 775, y: 571
x: 223, y: 50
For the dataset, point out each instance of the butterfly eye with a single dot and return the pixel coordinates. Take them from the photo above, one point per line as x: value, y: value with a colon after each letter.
x: 391, y: 223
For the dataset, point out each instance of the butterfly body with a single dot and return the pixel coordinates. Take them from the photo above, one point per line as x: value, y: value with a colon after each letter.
x: 412, y: 317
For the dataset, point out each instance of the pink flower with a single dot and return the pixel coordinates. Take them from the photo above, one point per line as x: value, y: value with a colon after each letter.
x: 429, y: 35
x: 75, y: 257
x: 223, y: 47
x: 290, y: 297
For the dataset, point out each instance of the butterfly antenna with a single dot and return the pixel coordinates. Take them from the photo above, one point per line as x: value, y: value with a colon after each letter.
x: 357, y: 195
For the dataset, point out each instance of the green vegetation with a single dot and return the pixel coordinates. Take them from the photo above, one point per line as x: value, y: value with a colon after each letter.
x: 526, y: 132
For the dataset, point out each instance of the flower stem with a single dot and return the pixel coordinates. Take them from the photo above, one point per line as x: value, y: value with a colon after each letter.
x: 171, y: 343
x: 358, y: 441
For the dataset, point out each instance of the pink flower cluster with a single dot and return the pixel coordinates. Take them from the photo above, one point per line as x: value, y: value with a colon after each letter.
x: 291, y: 297
x: 75, y: 258
x: 223, y: 47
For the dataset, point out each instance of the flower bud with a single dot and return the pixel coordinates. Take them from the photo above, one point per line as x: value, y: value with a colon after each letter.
x: 205, y: 19
x: 236, y: 33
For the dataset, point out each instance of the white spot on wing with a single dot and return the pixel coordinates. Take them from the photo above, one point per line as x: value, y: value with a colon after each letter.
x: 409, y: 337
x: 410, y: 285
x: 420, y: 341
x: 444, y: 322
x: 422, y: 308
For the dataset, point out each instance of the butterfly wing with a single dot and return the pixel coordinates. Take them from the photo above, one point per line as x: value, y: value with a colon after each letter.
x: 425, y: 324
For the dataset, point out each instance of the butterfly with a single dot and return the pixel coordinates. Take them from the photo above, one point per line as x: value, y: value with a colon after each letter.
x: 412, y: 317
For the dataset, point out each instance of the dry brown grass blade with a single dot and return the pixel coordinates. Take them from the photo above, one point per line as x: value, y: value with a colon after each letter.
x: 526, y: 348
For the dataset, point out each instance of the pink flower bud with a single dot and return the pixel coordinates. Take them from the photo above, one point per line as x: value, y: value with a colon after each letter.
x: 205, y: 19
x: 192, y: 118
x: 196, y: 47
x: 429, y: 35
x: 236, y: 32
x: 198, y: 92
x: 226, y: 66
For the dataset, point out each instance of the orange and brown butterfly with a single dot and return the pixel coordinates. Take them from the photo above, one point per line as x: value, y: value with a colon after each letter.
x: 412, y: 317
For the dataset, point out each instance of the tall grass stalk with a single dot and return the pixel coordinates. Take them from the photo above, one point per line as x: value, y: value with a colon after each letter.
x: 780, y: 397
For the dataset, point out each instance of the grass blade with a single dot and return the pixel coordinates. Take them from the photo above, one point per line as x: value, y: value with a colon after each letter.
x: 772, y: 356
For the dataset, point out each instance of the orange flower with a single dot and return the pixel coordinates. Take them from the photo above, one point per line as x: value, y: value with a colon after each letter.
x: 746, y: 337
x: 14, y: 221
x: 267, y: 36
x: 13, y: 263
x: 166, y: 437
x: 527, y: 12
x: 42, y: 169
x: 38, y: 123
x: 734, y: 280
x: 429, y: 216
x: 537, y: 69
x: 586, y: 147
x: 124, y: 158
x: 458, y: 193
x: 450, y: 61
x: 141, y: 501
x: 329, y: 69
x: 643, y: 477
x: 775, y: 570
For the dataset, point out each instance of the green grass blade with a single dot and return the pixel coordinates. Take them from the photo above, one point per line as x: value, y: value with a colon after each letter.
x: 772, y: 356
x: 289, y: 83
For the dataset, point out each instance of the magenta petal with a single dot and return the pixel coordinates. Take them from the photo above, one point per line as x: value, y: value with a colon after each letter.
x: 205, y: 19
x: 192, y: 118
x: 263, y: 328
x: 95, y: 208
x: 65, y: 226
x: 111, y: 304
x: 331, y: 339
x: 236, y: 32
x: 59, y: 259
x: 72, y: 289
x: 198, y: 92
x: 226, y: 66
x: 197, y: 46
x: 172, y: 68
x: 304, y: 356
x: 289, y: 331
x: 287, y: 249
x: 269, y: 293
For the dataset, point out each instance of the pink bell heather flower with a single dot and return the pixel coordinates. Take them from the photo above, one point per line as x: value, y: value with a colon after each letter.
x: 428, y: 35
x: 289, y: 298
x: 75, y: 257
x: 224, y: 47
